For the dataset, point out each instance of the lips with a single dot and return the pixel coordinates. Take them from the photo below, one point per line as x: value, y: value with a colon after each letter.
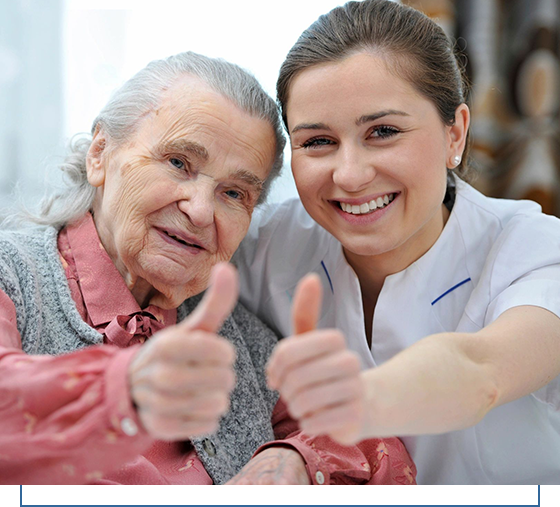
x: 365, y: 210
x: 181, y: 239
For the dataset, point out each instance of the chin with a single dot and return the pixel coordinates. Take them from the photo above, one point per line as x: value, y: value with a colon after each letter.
x: 368, y: 247
x: 179, y: 279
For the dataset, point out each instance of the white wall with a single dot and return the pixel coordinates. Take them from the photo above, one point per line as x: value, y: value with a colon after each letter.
x: 31, y: 110
x: 107, y: 41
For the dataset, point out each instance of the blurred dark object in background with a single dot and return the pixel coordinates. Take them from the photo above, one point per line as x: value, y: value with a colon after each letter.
x: 512, y: 50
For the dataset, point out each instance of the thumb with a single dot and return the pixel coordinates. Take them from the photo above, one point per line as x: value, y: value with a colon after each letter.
x: 218, y: 301
x: 306, y: 306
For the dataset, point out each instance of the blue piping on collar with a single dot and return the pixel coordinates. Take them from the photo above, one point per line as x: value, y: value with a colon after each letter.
x: 450, y: 290
x: 328, y: 276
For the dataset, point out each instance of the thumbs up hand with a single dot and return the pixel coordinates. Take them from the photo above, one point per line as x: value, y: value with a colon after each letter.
x: 317, y: 376
x: 181, y: 378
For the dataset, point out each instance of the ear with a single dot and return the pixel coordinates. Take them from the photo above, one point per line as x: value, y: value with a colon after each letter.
x: 96, y: 159
x: 457, y: 136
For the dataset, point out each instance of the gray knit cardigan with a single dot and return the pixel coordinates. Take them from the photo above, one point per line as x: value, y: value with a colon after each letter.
x: 32, y: 275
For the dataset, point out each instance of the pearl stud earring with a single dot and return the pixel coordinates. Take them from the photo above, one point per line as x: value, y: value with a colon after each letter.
x: 456, y: 160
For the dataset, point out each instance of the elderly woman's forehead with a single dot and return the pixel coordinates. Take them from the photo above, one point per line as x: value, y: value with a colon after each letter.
x: 189, y: 89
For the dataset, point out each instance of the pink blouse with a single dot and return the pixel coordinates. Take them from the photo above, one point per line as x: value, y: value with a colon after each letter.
x: 69, y: 419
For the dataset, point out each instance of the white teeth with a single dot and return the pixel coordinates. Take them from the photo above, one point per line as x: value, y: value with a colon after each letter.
x: 364, y: 208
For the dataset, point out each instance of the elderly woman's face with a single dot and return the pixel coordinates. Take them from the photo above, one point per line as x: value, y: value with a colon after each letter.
x: 178, y: 197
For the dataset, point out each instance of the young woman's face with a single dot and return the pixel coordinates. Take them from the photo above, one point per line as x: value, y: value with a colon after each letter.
x: 369, y: 157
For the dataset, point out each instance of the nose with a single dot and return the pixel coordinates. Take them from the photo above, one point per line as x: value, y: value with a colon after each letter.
x: 198, y: 203
x: 353, y: 169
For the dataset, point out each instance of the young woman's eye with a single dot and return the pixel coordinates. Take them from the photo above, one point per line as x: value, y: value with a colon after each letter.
x: 384, y: 132
x: 317, y: 142
x: 177, y: 162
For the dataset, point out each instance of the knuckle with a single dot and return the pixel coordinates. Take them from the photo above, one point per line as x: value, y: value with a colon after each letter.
x: 280, y: 353
x: 201, y: 428
x: 288, y: 388
x: 145, y: 399
x: 300, y: 404
x: 338, y: 339
x: 349, y: 362
x: 222, y: 403
x: 230, y: 380
x: 229, y: 352
x: 156, y: 426
x: 160, y: 377
x: 334, y: 339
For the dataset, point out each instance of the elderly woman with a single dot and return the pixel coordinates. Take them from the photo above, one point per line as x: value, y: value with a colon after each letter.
x: 451, y: 299
x: 162, y: 193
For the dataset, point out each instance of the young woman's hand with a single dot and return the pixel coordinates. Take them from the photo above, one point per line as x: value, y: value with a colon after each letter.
x: 317, y: 376
x: 180, y: 380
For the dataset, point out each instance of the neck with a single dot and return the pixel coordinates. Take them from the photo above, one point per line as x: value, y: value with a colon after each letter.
x: 142, y: 291
x: 372, y: 270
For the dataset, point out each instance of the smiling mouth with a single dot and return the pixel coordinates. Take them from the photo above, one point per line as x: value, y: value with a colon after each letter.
x: 180, y: 240
x: 367, y: 208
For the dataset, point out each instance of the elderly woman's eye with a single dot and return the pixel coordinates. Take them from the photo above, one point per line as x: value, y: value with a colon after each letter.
x: 178, y: 163
x: 234, y: 194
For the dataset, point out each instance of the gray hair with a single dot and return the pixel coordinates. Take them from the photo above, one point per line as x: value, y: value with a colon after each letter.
x: 141, y: 94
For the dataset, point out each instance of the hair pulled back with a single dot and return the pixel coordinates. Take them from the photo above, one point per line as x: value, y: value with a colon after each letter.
x: 414, y: 47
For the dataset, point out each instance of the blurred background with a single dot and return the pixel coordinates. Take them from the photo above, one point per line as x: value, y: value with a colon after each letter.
x: 60, y: 60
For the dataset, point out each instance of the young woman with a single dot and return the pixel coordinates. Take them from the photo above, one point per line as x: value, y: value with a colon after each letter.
x: 451, y: 299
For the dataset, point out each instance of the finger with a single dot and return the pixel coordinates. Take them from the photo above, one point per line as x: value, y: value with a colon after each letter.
x: 333, y: 367
x: 324, y: 396
x: 306, y: 306
x: 218, y: 301
x: 178, y: 380
x: 293, y: 352
x: 174, y: 429
x: 199, y: 407
x: 202, y: 348
x: 342, y: 423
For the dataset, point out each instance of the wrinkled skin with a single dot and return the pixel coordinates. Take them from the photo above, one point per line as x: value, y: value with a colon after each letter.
x: 195, y: 168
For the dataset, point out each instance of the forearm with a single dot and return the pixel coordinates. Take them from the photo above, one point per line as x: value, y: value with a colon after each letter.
x: 62, y: 417
x: 449, y: 381
x: 434, y: 386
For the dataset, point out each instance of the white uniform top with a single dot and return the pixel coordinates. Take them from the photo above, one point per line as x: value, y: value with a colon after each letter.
x: 492, y: 255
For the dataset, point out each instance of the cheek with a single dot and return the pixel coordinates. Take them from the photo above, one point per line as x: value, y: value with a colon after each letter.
x: 232, y: 226
x: 309, y: 176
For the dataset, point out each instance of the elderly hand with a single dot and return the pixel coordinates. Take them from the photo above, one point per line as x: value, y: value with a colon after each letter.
x: 181, y: 379
x: 275, y: 465
x: 316, y: 375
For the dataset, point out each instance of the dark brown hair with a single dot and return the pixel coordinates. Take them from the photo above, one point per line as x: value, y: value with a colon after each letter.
x: 413, y: 46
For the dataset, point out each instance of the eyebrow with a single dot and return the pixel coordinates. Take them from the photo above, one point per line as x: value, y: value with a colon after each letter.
x: 360, y: 121
x: 249, y: 178
x: 310, y: 126
x: 375, y: 116
x: 184, y: 146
